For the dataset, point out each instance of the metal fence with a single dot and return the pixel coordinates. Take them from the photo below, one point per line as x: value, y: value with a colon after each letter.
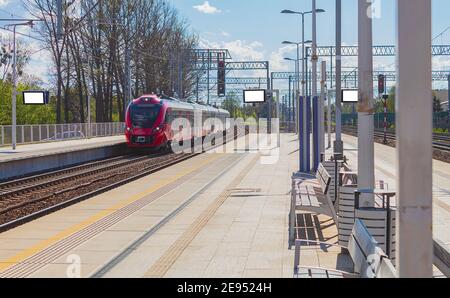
x: 27, y: 134
x: 440, y: 120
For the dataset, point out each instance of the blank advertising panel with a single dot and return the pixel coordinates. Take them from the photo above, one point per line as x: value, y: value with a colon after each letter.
x: 254, y: 96
x: 350, y: 96
x: 35, y: 97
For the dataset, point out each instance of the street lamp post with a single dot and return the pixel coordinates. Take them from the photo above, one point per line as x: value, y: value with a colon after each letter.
x: 338, y: 145
x: 304, y: 135
x: 14, y: 82
x: 297, y: 73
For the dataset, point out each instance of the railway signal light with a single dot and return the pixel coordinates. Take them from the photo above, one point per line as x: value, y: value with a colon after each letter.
x: 381, y: 84
x: 221, y: 86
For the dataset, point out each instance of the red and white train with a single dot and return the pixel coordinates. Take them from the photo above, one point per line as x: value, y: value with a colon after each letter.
x: 149, y: 121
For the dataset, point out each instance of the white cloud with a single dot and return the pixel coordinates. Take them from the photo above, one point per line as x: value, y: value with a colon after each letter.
x: 4, y: 3
x: 207, y: 8
x: 277, y: 62
x: 240, y: 50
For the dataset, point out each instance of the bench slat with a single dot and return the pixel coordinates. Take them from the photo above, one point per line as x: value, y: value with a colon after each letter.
x: 371, y: 214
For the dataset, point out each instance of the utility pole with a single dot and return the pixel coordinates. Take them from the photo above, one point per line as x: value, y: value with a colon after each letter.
x: 89, y: 132
x: 366, y: 174
x: 290, y: 100
x: 338, y: 144
x: 269, y: 87
x: 14, y: 81
x: 448, y: 102
x: 207, y: 74
x: 14, y: 94
x: 414, y: 140
x: 59, y: 16
x: 314, y: 59
x: 322, y: 109
x: 303, y: 131
x: 128, y: 96
x: 329, y: 120
x: 180, y: 74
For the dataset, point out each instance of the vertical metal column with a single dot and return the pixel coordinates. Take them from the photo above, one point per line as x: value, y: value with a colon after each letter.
x: 448, y: 102
x: 366, y: 173
x: 207, y: 75
x: 338, y: 145
x: 308, y: 129
x: 329, y: 120
x: 88, y: 132
x: 59, y: 17
x: 304, y: 132
x: 269, y: 124
x: 314, y: 59
x: 316, y: 132
x: 322, y: 109
x: 14, y: 95
x: 290, y: 100
x: 306, y: 107
x: 414, y: 139
x: 127, y: 96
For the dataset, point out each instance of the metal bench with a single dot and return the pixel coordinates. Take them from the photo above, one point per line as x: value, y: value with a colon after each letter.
x: 368, y: 258
x: 309, y: 193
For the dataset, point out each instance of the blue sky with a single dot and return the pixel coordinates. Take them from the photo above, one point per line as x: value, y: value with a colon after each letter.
x: 260, y: 20
x: 254, y: 29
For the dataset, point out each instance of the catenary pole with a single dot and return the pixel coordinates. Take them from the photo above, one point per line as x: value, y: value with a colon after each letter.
x: 338, y: 145
x: 314, y: 64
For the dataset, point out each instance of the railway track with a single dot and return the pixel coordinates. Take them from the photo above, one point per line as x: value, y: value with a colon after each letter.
x: 25, y: 199
x: 440, y: 141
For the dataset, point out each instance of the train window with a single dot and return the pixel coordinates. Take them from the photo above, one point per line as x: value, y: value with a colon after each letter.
x: 144, y: 116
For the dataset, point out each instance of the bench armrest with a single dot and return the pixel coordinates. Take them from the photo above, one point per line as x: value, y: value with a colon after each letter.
x: 298, y: 243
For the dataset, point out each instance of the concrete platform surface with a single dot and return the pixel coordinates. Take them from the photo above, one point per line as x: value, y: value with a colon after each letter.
x: 40, y: 149
x: 216, y: 215
x: 38, y: 158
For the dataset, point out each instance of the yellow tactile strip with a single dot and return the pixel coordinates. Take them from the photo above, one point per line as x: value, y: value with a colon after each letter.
x: 163, y: 264
x: 30, y: 260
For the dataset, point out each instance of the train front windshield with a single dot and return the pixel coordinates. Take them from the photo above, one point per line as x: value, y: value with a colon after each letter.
x: 144, y: 116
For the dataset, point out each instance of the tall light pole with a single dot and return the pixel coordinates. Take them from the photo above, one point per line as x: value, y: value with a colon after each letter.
x: 297, y: 72
x: 14, y: 82
x: 304, y: 135
x: 314, y: 59
x: 338, y: 145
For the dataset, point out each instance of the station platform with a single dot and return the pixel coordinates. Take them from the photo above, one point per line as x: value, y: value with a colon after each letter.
x: 385, y: 170
x: 215, y: 215
x: 34, y: 158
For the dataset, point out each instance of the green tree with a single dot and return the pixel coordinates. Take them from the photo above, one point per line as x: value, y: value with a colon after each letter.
x: 437, y: 107
x: 26, y: 114
x: 232, y: 105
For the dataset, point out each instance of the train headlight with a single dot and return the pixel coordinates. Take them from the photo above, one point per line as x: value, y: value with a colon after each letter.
x: 158, y: 129
x: 128, y: 129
